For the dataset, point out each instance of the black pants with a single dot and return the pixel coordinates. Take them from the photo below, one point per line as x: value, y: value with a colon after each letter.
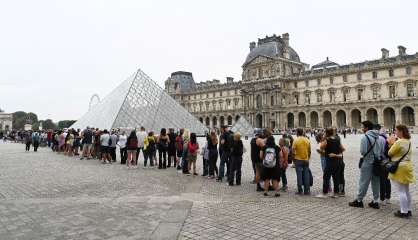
x: 162, y: 158
x: 213, y: 157
x: 331, y: 170
x: 123, y: 155
x: 385, y: 186
x: 112, y: 151
x: 28, y: 146
x: 341, y: 178
x: 205, y: 166
x: 235, y: 164
x: 35, y: 146
x: 171, y: 157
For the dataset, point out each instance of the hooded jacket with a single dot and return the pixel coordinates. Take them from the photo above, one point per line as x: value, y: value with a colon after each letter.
x: 373, y: 136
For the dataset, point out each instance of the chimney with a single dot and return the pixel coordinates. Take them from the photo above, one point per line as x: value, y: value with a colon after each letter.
x: 285, y: 39
x: 252, y: 45
x: 385, y: 53
x: 229, y: 79
x: 402, y: 50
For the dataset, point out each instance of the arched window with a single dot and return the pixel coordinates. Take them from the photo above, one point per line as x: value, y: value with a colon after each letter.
x: 259, y: 101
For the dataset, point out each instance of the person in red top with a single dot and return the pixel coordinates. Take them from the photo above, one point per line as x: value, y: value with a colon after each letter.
x: 192, y: 149
x: 49, y: 137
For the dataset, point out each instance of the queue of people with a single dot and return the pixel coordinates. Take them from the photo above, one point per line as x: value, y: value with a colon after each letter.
x: 385, y: 160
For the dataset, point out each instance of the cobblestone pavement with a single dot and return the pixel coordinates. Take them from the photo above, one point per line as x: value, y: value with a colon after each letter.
x: 48, y: 196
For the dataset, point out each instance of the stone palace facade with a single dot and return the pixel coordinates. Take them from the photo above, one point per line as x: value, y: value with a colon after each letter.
x: 279, y: 91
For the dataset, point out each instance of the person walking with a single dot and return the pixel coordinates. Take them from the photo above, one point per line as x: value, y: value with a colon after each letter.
x: 237, y: 150
x: 131, y: 146
x: 301, y: 150
x: 271, y: 165
x: 192, y: 151
x: 401, y: 152
x: 163, y: 142
x: 28, y: 140
x: 123, y: 148
x: 370, y: 149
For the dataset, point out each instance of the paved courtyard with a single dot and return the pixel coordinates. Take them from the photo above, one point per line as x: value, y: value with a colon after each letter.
x: 49, y: 196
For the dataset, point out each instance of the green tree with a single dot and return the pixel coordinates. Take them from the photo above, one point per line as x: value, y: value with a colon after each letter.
x: 48, y: 124
x: 65, y: 123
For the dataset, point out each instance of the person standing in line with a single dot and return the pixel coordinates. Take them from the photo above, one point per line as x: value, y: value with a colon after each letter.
x: 370, y: 149
x: 179, y: 148
x: 254, y: 157
x: 184, y: 163
x: 260, y: 143
x: 122, y: 147
x: 332, y: 148
x: 49, y: 137
x: 87, y: 140
x: 149, y: 147
x: 131, y: 146
x: 28, y: 140
x: 77, y: 141
x: 104, y: 147
x: 35, y: 140
x: 162, y: 141
x: 97, y: 144
x: 213, y: 153
x: 141, y: 135
x: 112, y: 145
x: 192, y: 151
x: 224, y: 152
x: 301, y: 150
x: 171, y: 148
x: 237, y: 150
x: 284, y: 162
x: 385, y: 186
x: 205, y: 157
x: 401, y: 151
x: 271, y: 165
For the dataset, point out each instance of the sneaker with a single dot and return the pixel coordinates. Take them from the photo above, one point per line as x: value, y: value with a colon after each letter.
x: 401, y: 215
x: 277, y: 194
x: 219, y: 179
x: 356, y: 203
x: 409, y: 213
x: 265, y: 194
x: 81, y: 158
x: 195, y: 174
x: 230, y: 184
x: 374, y: 205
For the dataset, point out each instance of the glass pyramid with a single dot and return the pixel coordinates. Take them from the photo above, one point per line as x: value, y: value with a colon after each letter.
x: 243, y: 127
x: 136, y: 102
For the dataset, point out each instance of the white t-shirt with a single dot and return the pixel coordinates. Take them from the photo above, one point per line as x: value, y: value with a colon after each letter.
x: 122, y: 141
x: 104, y: 139
x: 141, y: 135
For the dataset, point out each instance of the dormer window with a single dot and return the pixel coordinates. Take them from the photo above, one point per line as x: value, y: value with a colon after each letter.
x: 374, y: 75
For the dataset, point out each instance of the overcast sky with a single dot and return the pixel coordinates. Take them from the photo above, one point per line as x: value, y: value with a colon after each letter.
x: 55, y: 54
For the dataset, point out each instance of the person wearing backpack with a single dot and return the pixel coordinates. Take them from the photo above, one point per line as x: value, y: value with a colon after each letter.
x: 370, y: 149
x: 301, y: 150
x: 236, y: 160
x: 149, y: 147
x: 35, y: 140
x: 192, y: 150
x: 271, y: 165
x: 162, y: 141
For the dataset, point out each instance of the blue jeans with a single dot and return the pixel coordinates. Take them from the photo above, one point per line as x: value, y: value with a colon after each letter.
x: 283, y: 177
x: 323, y: 163
x: 366, y: 176
x: 302, y: 173
x: 225, y: 157
x: 148, y: 155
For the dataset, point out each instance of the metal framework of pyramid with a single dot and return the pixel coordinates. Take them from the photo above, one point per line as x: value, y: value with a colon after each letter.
x: 136, y: 102
x: 243, y: 127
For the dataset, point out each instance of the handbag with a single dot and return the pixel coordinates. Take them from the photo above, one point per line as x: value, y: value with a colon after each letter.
x: 392, y: 166
x: 368, y: 151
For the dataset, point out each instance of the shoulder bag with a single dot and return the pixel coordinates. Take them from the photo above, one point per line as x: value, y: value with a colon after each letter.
x: 392, y: 166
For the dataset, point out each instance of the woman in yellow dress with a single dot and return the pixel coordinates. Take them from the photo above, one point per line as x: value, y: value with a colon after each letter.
x: 401, y: 150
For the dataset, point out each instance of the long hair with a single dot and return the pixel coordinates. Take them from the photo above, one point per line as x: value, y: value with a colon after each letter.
x: 404, y: 130
x: 213, y: 138
x: 163, y: 132
x: 193, y: 138
x: 133, y: 134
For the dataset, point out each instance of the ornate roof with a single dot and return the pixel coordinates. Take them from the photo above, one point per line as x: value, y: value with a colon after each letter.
x: 271, y: 47
x: 325, y: 64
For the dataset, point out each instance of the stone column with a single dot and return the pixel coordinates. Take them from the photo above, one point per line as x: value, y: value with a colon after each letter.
x: 380, y: 116
x: 308, y: 119
x: 398, y: 115
x: 348, y: 118
x: 416, y: 116
x: 296, y: 119
x: 334, y: 118
x: 320, y: 119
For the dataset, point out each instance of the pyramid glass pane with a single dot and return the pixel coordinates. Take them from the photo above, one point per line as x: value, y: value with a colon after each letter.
x: 143, y: 103
x: 243, y: 126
